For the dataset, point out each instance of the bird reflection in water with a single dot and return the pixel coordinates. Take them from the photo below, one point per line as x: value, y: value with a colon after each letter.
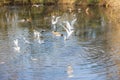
x: 37, y: 5
x: 2, y: 62
x: 26, y: 41
x: 34, y: 59
x: 70, y: 71
x: 25, y: 20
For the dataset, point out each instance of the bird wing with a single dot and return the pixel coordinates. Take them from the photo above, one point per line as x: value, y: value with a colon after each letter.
x: 73, y: 22
x: 16, y: 42
x: 70, y: 33
x: 54, y: 21
x: 66, y: 28
x: 68, y: 25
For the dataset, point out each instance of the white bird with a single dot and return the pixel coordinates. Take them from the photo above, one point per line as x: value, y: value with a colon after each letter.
x: 69, y: 32
x: 69, y: 27
x: 36, y: 34
x: 38, y: 37
x: 16, y: 47
x: 36, y: 5
x: 54, y: 22
x: 16, y: 42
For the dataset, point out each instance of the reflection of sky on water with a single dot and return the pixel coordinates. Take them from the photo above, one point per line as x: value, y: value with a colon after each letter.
x: 86, y: 52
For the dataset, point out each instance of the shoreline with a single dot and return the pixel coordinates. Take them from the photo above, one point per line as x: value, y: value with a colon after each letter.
x: 59, y: 4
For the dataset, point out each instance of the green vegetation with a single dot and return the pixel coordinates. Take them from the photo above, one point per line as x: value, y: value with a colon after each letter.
x: 92, y: 2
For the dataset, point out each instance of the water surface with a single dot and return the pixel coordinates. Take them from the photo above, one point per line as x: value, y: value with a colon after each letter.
x: 91, y: 53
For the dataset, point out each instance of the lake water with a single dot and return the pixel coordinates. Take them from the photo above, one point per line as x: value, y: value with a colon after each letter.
x: 90, y: 53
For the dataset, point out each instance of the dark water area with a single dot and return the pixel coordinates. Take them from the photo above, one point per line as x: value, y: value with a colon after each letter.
x: 90, y: 53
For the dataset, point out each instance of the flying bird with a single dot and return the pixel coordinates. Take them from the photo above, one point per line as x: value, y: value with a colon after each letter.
x: 54, y: 21
x: 69, y: 27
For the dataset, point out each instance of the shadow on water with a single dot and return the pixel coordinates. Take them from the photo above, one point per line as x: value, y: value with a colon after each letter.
x: 29, y: 50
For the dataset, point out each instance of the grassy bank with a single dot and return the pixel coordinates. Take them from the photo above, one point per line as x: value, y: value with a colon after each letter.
x: 51, y: 2
x: 113, y: 3
x: 73, y: 2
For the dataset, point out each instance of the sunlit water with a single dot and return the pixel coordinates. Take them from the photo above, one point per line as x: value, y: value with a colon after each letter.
x: 91, y: 53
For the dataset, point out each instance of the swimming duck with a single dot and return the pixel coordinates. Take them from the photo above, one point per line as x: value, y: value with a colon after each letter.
x: 57, y: 33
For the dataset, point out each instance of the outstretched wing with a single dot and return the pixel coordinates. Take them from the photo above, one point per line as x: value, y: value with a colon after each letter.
x: 73, y: 22
x: 55, y: 20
